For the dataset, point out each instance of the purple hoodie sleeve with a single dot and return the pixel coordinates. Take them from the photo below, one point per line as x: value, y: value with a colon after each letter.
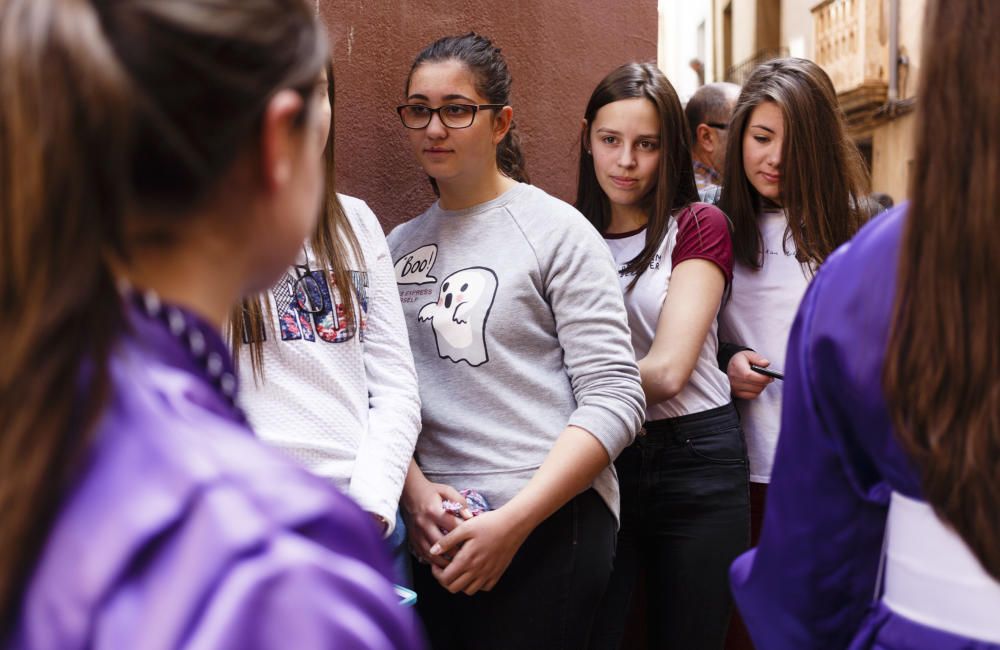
x: 226, y: 577
x: 811, y: 579
x: 295, y: 596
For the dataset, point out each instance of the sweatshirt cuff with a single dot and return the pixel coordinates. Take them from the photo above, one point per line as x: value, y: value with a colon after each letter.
x: 610, y: 429
x: 366, y: 499
x: 726, y: 352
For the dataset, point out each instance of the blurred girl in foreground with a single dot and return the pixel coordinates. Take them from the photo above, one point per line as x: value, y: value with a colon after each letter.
x: 159, y: 161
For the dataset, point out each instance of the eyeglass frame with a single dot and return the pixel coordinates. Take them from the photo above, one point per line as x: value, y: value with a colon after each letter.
x: 432, y: 111
x: 717, y: 125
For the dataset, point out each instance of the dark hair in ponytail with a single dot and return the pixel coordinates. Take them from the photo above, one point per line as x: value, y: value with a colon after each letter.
x: 493, y: 82
x: 59, y: 307
x: 106, y: 107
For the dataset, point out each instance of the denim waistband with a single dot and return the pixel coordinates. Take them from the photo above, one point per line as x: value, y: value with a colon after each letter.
x: 693, y: 425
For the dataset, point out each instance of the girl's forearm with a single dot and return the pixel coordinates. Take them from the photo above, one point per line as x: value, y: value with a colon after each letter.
x: 570, y: 467
x: 412, y: 486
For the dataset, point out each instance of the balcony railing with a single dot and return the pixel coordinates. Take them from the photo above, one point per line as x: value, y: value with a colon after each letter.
x: 740, y: 72
x: 839, y: 35
x: 848, y: 47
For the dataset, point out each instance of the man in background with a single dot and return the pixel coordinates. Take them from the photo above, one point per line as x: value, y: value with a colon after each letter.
x: 708, y: 112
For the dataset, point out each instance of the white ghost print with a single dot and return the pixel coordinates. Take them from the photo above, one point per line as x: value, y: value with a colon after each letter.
x: 459, y: 315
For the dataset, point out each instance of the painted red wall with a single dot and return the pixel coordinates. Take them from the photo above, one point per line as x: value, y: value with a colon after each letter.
x: 557, y: 51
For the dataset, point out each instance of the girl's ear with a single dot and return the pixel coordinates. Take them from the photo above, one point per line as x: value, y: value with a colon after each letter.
x: 501, y: 123
x: 280, y: 138
x: 585, y: 135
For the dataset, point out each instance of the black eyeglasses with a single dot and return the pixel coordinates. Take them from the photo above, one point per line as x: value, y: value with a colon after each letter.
x: 453, y: 116
x: 717, y: 125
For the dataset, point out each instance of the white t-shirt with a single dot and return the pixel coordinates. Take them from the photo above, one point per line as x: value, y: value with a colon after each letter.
x: 341, y: 398
x: 759, y: 315
x: 708, y: 238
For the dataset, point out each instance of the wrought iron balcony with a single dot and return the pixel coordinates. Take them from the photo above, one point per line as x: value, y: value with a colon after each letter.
x: 740, y: 72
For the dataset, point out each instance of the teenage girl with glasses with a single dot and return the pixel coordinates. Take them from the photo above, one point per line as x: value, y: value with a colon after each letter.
x: 685, y: 514
x: 882, y: 519
x: 527, y: 381
x: 137, y: 508
x: 323, y: 356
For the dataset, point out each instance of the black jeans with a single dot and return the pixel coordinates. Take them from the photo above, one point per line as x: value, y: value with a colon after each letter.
x: 546, y: 599
x: 685, y: 518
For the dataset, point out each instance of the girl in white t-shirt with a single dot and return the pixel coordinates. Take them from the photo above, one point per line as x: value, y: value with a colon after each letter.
x: 684, y: 509
x: 793, y: 187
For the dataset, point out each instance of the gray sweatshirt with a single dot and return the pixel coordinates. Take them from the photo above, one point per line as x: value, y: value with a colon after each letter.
x: 518, y: 328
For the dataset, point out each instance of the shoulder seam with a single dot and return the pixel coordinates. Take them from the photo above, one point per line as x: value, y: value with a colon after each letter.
x: 527, y: 240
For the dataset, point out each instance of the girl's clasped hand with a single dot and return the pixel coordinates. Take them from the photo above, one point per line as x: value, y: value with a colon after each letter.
x: 478, y: 551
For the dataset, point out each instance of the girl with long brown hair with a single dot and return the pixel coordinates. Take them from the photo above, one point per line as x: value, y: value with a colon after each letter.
x: 883, y: 517
x: 323, y: 356
x: 793, y: 188
x: 158, y: 161
x: 675, y: 259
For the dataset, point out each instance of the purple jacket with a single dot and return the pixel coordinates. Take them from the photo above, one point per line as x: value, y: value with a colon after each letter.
x: 811, y: 581
x: 183, y: 531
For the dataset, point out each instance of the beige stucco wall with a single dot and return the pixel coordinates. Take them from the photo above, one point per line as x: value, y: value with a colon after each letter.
x: 744, y: 29
x: 797, y: 27
x: 892, y: 142
x: 678, y: 43
x: 911, y: 29
x: 892, y: 157
x: 744, y: 34
x: 715, y: 40
x: 752, y: 32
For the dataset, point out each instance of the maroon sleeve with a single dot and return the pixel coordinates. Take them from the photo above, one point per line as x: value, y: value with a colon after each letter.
x: 703, y: 233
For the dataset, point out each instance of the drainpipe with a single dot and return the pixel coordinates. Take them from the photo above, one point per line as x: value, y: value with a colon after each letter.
x: 893, y: 55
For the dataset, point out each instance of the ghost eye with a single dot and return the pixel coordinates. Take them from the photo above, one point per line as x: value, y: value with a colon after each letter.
x: 464, y: 287
x: 444, y: 287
